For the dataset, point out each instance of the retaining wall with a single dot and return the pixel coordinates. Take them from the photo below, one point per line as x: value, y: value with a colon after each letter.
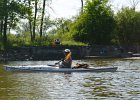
x: 78, y: 52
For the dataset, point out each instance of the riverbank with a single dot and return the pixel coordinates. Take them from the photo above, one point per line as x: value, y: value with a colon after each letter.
x: 78, y: 52
x: 39, y: 53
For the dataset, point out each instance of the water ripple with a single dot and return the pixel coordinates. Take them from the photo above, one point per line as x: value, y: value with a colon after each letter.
x: 121, y: 85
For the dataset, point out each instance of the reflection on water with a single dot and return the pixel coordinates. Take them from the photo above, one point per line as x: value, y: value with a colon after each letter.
x: 101, y: 87
x: 123, y: 84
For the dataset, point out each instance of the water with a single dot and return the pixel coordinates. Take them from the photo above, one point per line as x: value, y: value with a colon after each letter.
x: 123, y: 84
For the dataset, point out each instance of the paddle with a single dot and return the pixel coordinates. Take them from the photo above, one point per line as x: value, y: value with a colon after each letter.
x: 66, y: 58
x: 59, y: 61
x: 56, y: 63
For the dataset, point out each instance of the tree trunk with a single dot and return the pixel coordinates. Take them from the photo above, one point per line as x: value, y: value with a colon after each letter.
x: 5, y: 32
x: 42, y: 19
x: 34, y: 24
x: 30, y: 22
x: 82, y: 4
x: 5, y: 26
x: 31, y: 34
x: 1, y: 28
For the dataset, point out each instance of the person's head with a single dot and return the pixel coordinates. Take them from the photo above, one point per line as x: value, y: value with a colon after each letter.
x: 67, y: 51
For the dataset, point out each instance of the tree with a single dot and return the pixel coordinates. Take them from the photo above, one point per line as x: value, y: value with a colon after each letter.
x: 10, y: 12
x: 30, y: 18
x: 62, y: 25
x: 134, y: 3
x: 96, y: 23
x: 35, y: 18
x: 42, y: 18
x: 82, y: 5
x: 128, y: 26
x: 1, y: 16
x: 5, y: 23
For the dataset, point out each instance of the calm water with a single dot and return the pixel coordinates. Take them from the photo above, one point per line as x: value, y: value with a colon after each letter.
x: 123, y: 84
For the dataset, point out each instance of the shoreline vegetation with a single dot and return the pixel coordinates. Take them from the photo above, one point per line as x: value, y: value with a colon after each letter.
x: 78, y: 52
x: 95, y: 32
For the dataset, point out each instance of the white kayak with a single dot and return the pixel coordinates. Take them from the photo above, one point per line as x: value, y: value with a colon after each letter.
x: 47, y: 68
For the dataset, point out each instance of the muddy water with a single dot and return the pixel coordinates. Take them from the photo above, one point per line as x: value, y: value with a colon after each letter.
x: 123, y: 84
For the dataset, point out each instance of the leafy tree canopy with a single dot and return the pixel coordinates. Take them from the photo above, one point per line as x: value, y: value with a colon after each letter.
x: 95, y: 24
x: 128, y: 26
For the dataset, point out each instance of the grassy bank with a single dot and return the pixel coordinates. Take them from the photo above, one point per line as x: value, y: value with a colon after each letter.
x: 23, y: 40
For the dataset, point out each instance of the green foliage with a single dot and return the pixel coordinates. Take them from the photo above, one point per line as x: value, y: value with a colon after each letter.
x: 23, y: 39
x: 73, y: 43
x: 42, y: 41
x: 62, y: 32
x: 17, y: 40
x: 1, y: 9
x: 14, y: 9
x: 63, y: 25
x: 66, y: 39
x: 128, y: 26
x: 10, y: 13
x: 96, y: 23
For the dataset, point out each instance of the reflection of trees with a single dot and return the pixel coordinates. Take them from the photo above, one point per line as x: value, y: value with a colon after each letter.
x: 99, y: 87
x: 102, y: 62
x: 7, y: 86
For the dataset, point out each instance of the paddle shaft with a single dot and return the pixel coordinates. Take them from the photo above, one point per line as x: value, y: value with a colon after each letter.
x: 67, y: 57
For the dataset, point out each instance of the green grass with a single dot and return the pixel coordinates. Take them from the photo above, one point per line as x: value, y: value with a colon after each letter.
x: 25, y: 40
x: 73, y: 43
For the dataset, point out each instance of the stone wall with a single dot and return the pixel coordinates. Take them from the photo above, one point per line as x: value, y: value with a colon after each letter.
x: 40, y: 53
x: 112, y: 51
x: 78, y: 52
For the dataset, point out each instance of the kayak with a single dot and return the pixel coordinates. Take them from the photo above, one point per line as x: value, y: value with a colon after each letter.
x: 47, y: 68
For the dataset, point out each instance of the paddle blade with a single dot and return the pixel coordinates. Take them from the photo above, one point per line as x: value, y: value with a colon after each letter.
x: 51, y: 65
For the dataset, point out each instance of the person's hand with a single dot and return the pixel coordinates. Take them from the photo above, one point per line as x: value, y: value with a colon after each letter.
x: 56, y: 63
x: 62, y: 59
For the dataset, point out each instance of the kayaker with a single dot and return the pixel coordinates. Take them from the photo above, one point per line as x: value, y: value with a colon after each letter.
x: 67, y: 62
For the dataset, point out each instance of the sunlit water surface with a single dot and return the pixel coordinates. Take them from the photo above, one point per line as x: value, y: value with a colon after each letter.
x: 123, y: 84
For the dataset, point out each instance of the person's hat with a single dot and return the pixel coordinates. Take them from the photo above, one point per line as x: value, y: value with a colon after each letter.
x: 67, y: 50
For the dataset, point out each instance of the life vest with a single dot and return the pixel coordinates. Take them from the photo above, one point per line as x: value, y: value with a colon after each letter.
x: 68, y: 56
